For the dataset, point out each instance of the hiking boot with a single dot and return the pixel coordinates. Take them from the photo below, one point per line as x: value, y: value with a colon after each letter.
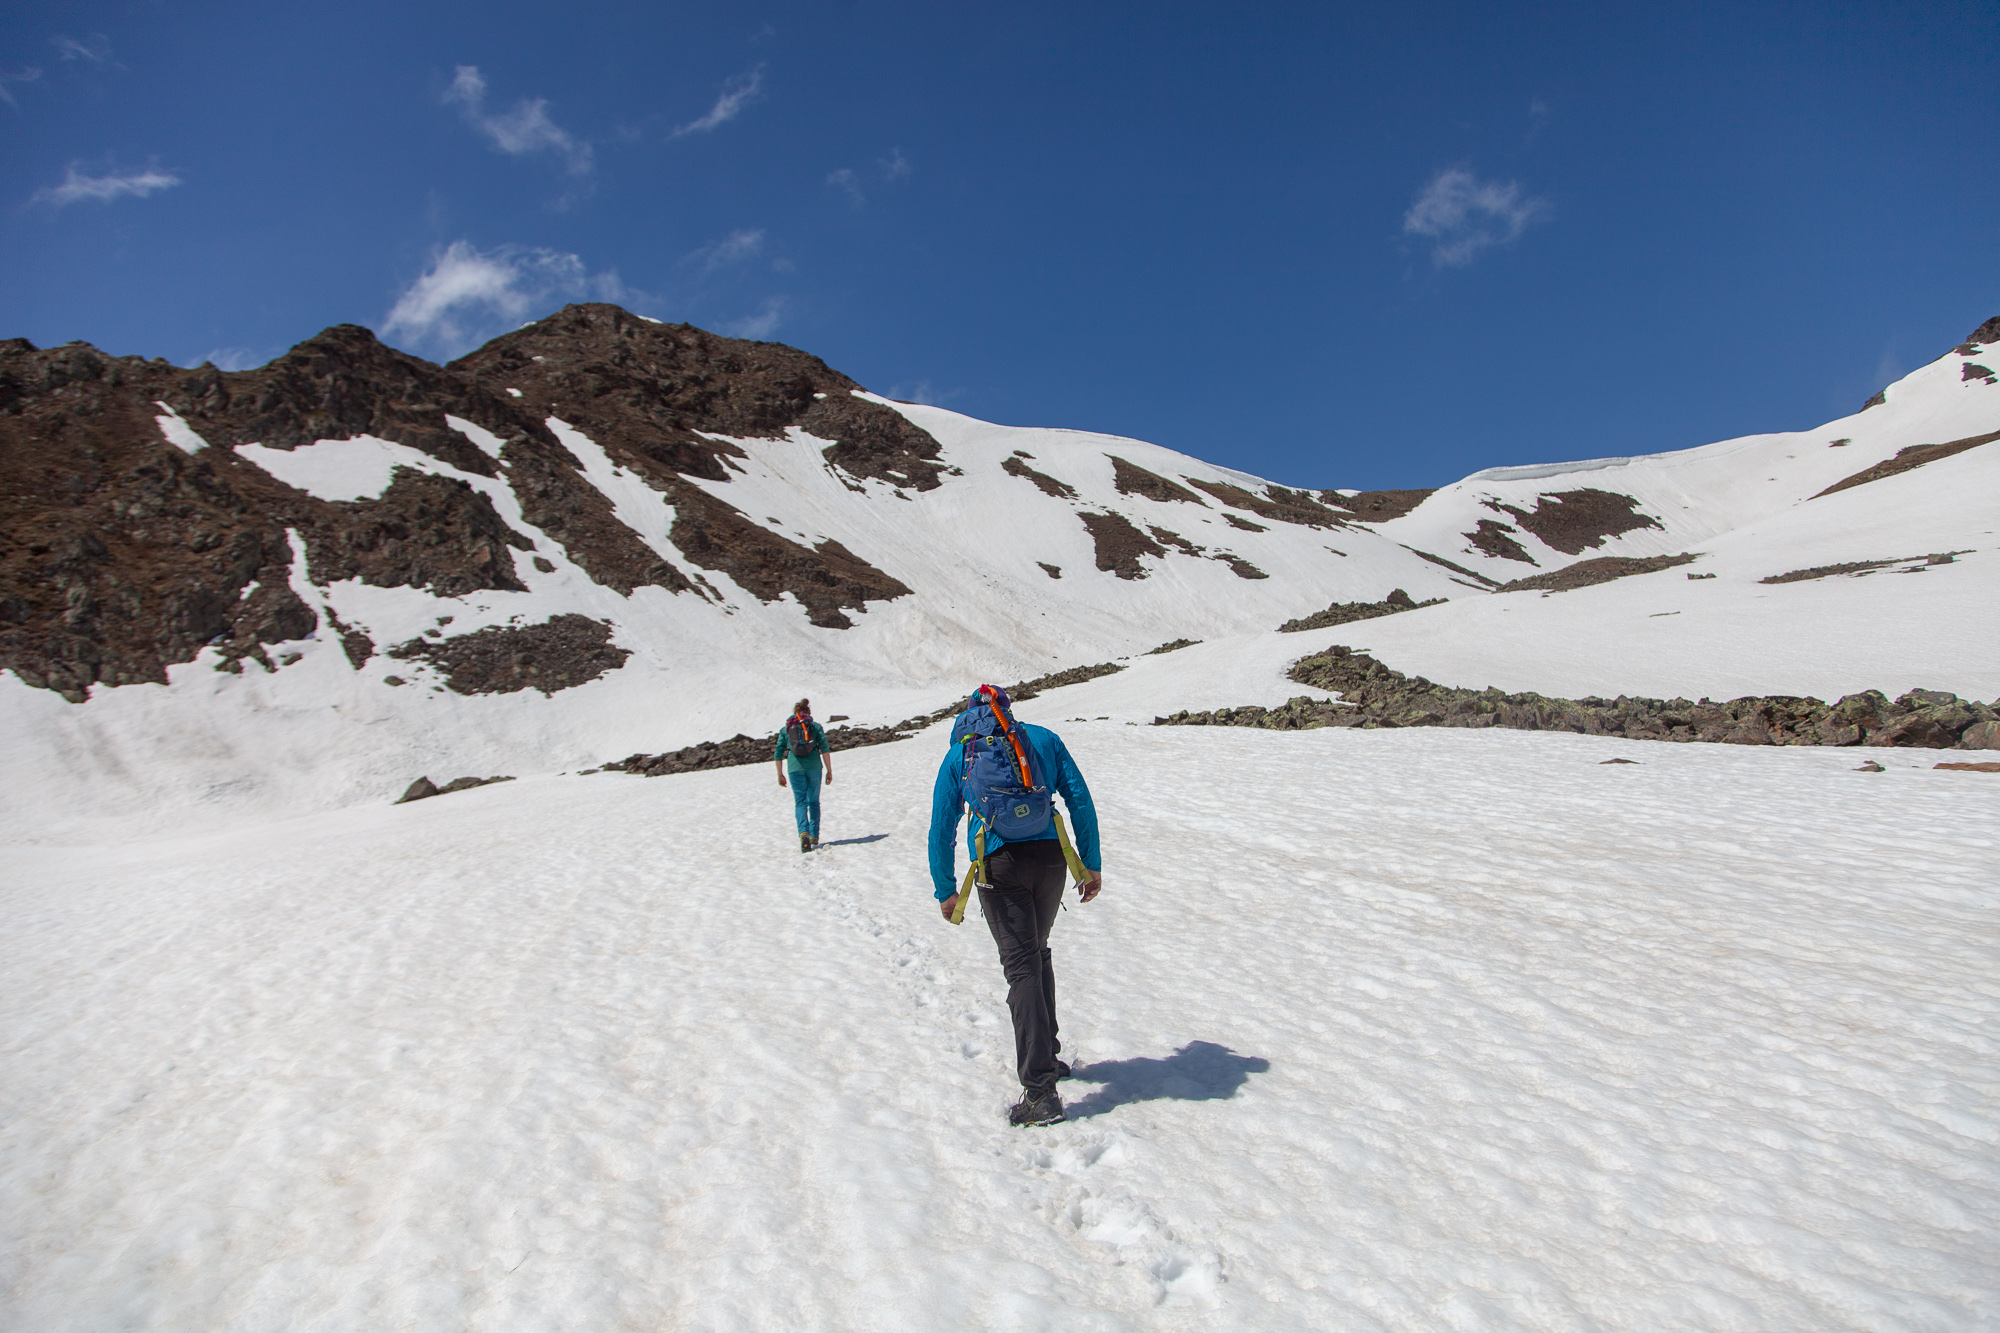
x: 1036, y: 1108
x: 805, y: 843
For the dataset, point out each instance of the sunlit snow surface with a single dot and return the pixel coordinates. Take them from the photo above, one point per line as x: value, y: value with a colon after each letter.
x: 1406, y: 1030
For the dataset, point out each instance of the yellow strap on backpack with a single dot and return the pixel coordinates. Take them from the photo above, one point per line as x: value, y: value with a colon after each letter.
x: 1076, y: 870
x: 974, y: 874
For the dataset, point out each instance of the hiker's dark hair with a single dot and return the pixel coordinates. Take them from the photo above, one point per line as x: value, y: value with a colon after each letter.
x: 802, y: 705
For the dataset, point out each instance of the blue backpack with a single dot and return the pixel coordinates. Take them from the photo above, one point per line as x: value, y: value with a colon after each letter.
x: 1000, y: 783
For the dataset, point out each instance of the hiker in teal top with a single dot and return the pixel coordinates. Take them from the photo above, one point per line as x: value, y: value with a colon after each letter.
x: 800, y: 741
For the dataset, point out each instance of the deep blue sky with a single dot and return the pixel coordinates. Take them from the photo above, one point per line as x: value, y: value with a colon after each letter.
x: 1325, y: 244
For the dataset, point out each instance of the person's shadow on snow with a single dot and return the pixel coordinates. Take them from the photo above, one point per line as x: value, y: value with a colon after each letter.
x: 849, y: 842
x: 1200, y: 1071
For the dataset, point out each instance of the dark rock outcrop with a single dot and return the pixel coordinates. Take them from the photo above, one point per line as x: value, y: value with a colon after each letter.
x: 1494, y: 539
x: 1343, y: 613
x: 1135, y: 480
x: 1014, y: 467
x: 1377, y: 506
x: 423, y: 788
x: 1587, y: 573
x: 1860, y: 567
x: 560, y: 653
x: 1989, y: 332
x: 122, y: 554
x: 1569, y: 521
x: 1119, y: 544
x: 1373, y: 696
x: 1913, y: 457
x: 1277, y: 503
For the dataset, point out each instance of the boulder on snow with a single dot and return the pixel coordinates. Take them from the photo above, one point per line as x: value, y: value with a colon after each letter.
x: 418, y: 790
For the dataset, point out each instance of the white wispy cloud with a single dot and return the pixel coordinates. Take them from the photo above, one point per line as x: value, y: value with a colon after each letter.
x: 895, y: 166
x: 25, y: 74
x: 96, y: 51
x: 77, y: 186
x: 469, y: 295
x: 1462, y: 215
x: 738, y: 93
x: 734, y: 248
x: 760, y: 325
x: 848, y: 182
x: 524, y: 129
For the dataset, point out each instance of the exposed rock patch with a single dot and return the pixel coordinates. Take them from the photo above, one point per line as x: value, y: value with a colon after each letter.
x: 1602, y: 569
x: 1135, y: 480
x: 1373, y: 696
x: 1569, y: 521
x: 1859, y: 567
x: 1913, y: 457
x: 1441, y: 562
x: 1493, y: 538
x: 1378, y: 506
x: 1173, y: 539
x: 1240, y: 567
x: 1013, y: 466
x: 1277, y: 503
x: 1174, y: 646
x: 1973, y: 371
x: 423, y: 788
x: 1053, y: 571
x: 652, y: 395
x: 1989, y: 332
x: 1238, y: 521
x: 425, y: 531
x: 1119, y: 544
x: 825, y: 578
x: 1343, y: 613
x: 560, y: 653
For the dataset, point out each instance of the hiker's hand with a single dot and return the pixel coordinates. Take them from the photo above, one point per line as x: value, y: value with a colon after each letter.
x: 781, y: 779
x: 946, y: 906
x: 829, y: 777
x: 1093, y: 885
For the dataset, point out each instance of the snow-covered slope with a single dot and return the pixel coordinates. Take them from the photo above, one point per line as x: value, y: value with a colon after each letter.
x: 1374, y: 1031
x: 1000, y: 554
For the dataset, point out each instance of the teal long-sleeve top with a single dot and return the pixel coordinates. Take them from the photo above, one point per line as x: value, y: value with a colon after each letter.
x: 1050, y: 760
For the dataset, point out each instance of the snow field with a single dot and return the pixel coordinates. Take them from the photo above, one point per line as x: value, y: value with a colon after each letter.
x: 1375, y: 1030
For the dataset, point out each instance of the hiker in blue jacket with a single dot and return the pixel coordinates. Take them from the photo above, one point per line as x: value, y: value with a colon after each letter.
x: 1004, y: 773
x: 800, y: 740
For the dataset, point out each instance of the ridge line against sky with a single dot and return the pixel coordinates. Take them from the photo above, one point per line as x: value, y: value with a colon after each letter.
x: 1323, y: 246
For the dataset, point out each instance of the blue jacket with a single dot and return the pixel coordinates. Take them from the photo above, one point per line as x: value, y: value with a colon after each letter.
x: 1049, y: 758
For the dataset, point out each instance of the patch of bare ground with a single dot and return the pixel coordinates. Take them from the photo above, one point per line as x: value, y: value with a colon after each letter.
x: 1493, y: 539
x: 1014, y: 467
x: 1569, y: 521
x: 1342, y: 613
x: 1135, y: 480
x: 1989, y: 332
x: 1053, y: 571
x: 1238, y: 566
x: 1588, y: 573
x: 1238, y: 521
x: 1858, y: 567
x: 558, y: 654
x: 1171, y: 647
x: 1277, y: 503
x: 1377, y: 506
x: 1906, y: 459
x: 1373, y: 696
x: 1442, y: 563
x: 1119, y: 544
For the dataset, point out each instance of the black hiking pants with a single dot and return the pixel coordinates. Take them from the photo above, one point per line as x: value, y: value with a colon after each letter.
x: 1020, y: 905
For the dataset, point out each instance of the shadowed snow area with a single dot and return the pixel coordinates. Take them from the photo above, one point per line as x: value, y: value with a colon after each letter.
x: 1374, y: 1030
